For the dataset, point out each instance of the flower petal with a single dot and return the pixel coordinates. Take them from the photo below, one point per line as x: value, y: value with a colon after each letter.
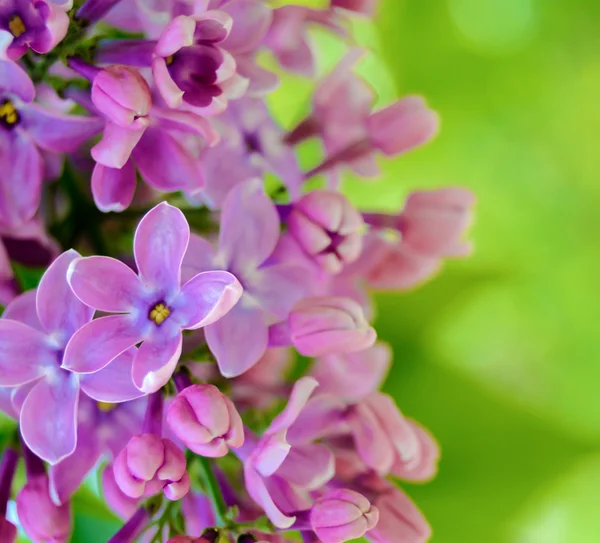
x: 278, y: 288
x: 159, y: 245
x: 59, y: 310
x: 252, y: 20
x: 199, y: 257
x: 24, y: 352
x: 23, y: 309
x: 113, y: 188
x: 49, y: 417
x: 113, y: 383
x: 178, y: 33
x: 168, y: 89
x: 249, y: 226
x: 308, y: 466
x: 105, y: 284
x: 239, y: 339
x: 303, y: 388
x: 21, y: 180
x: 15, y: 80
x: 57, y: 132
x: 98, y: 342
x: 155, y: 362
x: 116, y: 145
x: 205, y: 298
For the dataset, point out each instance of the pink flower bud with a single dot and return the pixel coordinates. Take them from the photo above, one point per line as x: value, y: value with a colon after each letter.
x: 149, y: 464
x: 402, y: 126
x: 206, y: 421
x: 123, y: 95
x: 42, y: 520
x: 433, y: 222
x: 342, y: 515
x: 328, y: 228
x: 8, y: 531
x: 120, y: 503
x: 364, y: 7
x: 329, y: 325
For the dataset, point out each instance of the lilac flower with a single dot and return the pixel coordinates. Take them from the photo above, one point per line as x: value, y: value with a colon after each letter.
x: 103, y: 431
x: 279, y: 476
x: 44, y: 321
x: 36, y: 24
x: 25, y: 130
x: 153, y: 308
x: 248, y: 236
x: 250, y: 145
x: 190, y: 68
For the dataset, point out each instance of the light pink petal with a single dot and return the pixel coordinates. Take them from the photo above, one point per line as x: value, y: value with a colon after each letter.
x: 113, y: 188
x: 105, y: 283
x: 112, y: 383
x: 159, y: 246
x: 308, y: 466
x: 116, y: 145
x: 249, y: 226
x: 59, y: 310
x: 168, y: 89
x: 48, y: 419
x: 301, y: 392
x: 23, y: 309
x: 261, y: 81
x: 260, y: 494
x: 57, y: 132
x: 14, y: 79
x: 24, y: 353
x: 199, y: 257
x: 278, y: 288
x: 178, y: 33
x: 270, y: 453
x: 205, y: 298
x: 252, y: 20
x: 399, y: 520
x: 100, y: 341
x: 155, y: 362
x: 188, y: 122
x: 238, y: 340
x: 427, y: 465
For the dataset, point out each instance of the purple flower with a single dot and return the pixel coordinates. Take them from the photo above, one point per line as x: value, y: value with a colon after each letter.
x: 278, y: 475
x: 36, y: 329
x: 153, y: 308
x: 190, y: 68
x: 36, y: 24
x: 26, y: 129
x: 103, y: 431
x: 250, y: 145
x: 206, y: 420
x: 341, y: 515
x: 248, y: 236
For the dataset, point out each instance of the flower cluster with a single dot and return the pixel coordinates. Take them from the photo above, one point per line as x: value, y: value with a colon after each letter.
x: 200, y: 334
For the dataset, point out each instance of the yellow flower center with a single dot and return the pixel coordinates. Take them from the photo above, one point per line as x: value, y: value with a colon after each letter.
x: 106, y: 407
x: 169, y: 60
x: 16, y: 26
x: 9, y: 116
x: 159, y: 313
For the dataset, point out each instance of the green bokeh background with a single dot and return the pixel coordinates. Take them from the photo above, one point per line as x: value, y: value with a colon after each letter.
x: 498, y: 355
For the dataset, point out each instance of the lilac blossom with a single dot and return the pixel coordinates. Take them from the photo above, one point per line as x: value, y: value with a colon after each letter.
x: 270, y: 289
x: 38, y: 25
x: 152, y: 308
x: 44, y: 321
x: 25, y: 130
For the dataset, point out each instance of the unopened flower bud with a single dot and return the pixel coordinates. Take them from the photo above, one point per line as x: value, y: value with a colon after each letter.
x: 402, y: 126
x: 329, y: 325
x: 364, y: 7
x: 342, y: 515
x: 213, y: 535
x: 206, y: 421
x: 123, y: 95
x: 433, y: 222
x: 42, y: 520
x: 328, y: 228
x: 149, y: 464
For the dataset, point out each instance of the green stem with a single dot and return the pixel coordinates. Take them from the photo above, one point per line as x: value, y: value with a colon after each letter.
x: 211, y: 486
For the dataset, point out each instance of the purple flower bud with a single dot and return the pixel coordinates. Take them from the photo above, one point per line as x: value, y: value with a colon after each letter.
x: 42, y: 520
x: 123, y: 95
x: 206, y: 421
x: 8, y: 531
x: 328, y: 228
x: 364, y: 7
x: 433, y: 222
x: 402, y: 126
x: 342, y: 515
x: 149, y: 464
x: 329, y: 325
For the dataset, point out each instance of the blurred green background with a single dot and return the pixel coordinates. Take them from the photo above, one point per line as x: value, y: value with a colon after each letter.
x: 498, y: 355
